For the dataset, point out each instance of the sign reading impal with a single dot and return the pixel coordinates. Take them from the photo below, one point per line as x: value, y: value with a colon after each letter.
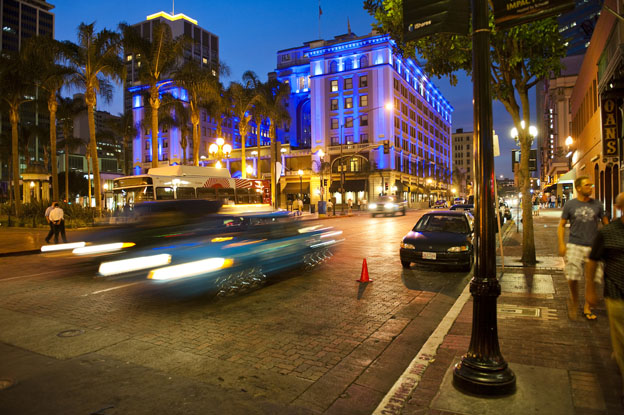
x: 610, y: 127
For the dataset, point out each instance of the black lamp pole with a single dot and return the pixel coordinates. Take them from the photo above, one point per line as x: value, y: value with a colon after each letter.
x: 483, y: 370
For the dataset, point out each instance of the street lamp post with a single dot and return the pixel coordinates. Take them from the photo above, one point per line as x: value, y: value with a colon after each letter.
x: 483, y: 370
x: 219, y: 151
x: 568, y: 142
x: 300, y: 173
x: 321, y: 155
x: 105, y: 190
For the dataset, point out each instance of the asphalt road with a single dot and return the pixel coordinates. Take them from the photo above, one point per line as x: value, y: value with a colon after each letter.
x: 307, y: 342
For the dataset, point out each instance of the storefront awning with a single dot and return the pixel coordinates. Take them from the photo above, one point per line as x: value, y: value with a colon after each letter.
x: 358, y: 185
x: 295, y: 188
x: 569, y: 177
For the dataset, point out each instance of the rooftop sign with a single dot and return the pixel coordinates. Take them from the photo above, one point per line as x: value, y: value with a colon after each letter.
x: 168, y: 16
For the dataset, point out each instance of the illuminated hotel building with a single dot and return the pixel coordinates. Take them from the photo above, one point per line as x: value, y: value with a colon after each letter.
x: 340, y: 91
x: 204, y: 48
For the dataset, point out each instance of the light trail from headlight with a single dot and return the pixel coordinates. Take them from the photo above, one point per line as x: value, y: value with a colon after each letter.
x: 98, y: 249
x: 133, y: 264
x: 389, y: 205
x: 62, y: 247
x: 190, y: 269
x: 372, y: 206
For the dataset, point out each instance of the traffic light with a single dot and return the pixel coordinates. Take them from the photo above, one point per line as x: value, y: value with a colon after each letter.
x: 386, y: 144
x: 386, y: 185
x: 324, y: 182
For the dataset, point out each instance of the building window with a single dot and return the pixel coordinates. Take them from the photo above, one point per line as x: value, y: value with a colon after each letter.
x: 335, y: 141
x: 334, y: 123
x: 348, y: 83
x: 363, y: 81
x: 147, y: 144
x: 363, y: 138
x: 349, y: 122
x: 363, y: 100
x: 334, y: 85
x: 333, y: 67
x: 348, y: 102
x: 349, y: 139
x: 348, y: 64
x: 334, y: 104
x: 364, y: 61
x: 364, y: 120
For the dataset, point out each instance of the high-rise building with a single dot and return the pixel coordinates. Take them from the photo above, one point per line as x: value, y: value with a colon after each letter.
x: 20, y: 20
x: 462, y: 152
x: 349, y: 96
x: 577, y: 25
x: 204, y: 47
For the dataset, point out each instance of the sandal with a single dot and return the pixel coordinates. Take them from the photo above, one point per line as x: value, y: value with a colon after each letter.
x: 590, y: 316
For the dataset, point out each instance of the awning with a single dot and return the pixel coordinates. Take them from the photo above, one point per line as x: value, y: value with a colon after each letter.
x: 295, y: 188
x: 569, y: 177
x: 358, y: 185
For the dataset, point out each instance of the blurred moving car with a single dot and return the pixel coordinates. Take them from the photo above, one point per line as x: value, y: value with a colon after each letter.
x: 198, y: 244
x: 459, y: 201
x: 444, y: 238
x: 387, y: 205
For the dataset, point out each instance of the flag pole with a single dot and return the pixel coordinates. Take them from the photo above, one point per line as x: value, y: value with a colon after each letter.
x: 319, y: 22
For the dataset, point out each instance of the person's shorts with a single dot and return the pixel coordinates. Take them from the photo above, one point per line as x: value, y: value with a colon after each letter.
x: 575, y: 258
x: 535, y: 208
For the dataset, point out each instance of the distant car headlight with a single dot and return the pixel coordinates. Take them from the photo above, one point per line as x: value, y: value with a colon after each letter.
x: 458, y: 248
x: 407, y: 246
x: 372, y: 206
x: 389, y: 205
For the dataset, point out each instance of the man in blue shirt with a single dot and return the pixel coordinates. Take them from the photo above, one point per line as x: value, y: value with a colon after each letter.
x: 584, y: 215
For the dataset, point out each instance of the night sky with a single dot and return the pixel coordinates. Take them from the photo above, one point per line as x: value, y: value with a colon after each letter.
x: 251, y: 32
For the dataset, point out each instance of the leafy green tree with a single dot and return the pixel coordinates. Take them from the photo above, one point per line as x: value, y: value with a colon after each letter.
x: 51, y: 76
x: 519, y: 58
x: 95, y: 60
x: 155, y: 59
x: 16, y: 88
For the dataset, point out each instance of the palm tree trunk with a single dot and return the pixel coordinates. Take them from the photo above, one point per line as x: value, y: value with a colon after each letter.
x: 243, y: 136
x: 196, y: 141
x: 89, y: 179
x: 155, y: 105
x: 66, y: 172
x: 94, y: 158
x: 14, y: 118
x: 52, y: 106
x: 258, y: 123
x: 126, y: 162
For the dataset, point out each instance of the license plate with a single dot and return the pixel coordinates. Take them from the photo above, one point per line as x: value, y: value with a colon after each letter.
x: 429, y: 255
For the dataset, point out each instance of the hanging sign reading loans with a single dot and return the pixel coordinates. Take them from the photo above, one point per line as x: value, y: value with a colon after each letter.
x: 610, y: 131
x: 508, y: 13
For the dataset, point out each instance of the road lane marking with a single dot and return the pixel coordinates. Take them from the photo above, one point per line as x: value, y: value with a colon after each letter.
x: 29, y: 275
x: 395, y: 399
x: 111, y: 289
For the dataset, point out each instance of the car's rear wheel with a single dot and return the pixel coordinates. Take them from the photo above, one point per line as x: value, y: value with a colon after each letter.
x: 405, y: 264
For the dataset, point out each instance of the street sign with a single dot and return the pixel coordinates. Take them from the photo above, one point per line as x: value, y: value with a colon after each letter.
x: 509, y: 13
x: 425, y: 17
x: 611, y: 120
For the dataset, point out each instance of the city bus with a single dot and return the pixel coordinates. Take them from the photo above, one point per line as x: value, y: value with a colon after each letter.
x: 188, y: 182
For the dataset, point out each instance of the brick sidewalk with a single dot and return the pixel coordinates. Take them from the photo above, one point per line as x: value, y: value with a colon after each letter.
x: 562, y: 366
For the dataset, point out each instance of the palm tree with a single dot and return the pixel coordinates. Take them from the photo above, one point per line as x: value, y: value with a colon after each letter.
x: 259, y: 109
x: 94, y: 59
x: 67, y: 110
x: 243, y: 99
x: 15, y: 89
x: 156, y: 59
x: 123, y: 126
x: 276, y: 95
x: 51, y: 76
x: 199, y: 84
x: 219, y: 107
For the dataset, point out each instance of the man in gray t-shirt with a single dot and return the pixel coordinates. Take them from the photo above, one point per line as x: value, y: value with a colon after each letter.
x: 584, y: 215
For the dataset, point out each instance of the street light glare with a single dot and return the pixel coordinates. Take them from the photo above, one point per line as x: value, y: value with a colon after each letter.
x: 321, y: 153
x: 533, y: 131
x: 569, y: 141
x: 300, y: 172
x: 220, y: 141
x: 213, y: 148
x: 514, y: 132
x: 227, y: 149
x: 389, y: 106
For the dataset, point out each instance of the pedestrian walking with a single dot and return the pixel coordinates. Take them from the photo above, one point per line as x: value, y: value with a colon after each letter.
x: 330, y: 206
x: 299, y: 206
x: 584, y: 215
x: 58, y: 222
x: 553, y: 201
x: 608, y: 247
x: 47, y: 217
x: 536, y: 206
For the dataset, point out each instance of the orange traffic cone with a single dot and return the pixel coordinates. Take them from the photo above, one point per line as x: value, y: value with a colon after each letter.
x: 364, y: 276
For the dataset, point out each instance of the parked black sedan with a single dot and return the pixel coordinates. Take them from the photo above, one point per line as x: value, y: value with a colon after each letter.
x: 442, y: 237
